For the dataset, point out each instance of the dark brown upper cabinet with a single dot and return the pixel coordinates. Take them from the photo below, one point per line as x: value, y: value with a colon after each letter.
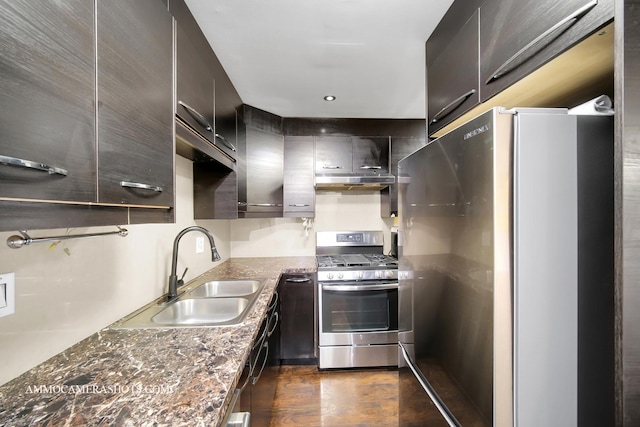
x: 47, y: 125
x: 519, y: 36
x: 209, y: 141
x: 70, y: 159
x: 135, y: 117
x: 452, y: 74
x: 334, y: 154
x: 370, y: 155
x: 194, y: 87
x: 352, y: 155
x: 260, y: 164
x: 299, y: 177
x: 206, y: 100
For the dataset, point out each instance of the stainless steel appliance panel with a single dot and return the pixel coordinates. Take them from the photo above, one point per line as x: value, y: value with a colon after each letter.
x: 446, y: 257
x: 545, y: 270
x: 357, y: 300
x: 358, y: 356
x: 487, y: 309
x: 357, y: 317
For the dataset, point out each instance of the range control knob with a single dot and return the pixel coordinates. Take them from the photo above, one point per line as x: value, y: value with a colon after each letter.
x: 360, y: 274
x: 389, y: 274
x: 340, y: 275
x: 379, y: 274
x: 330, y: 276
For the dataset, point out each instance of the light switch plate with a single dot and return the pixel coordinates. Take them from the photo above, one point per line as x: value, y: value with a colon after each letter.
x: 199, y: 245
x: 8, y: 290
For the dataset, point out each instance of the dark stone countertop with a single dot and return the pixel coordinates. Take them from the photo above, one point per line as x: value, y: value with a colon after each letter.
x: 147, y: 377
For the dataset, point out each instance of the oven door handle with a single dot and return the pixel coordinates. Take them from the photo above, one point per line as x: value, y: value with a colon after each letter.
x: 353, y: 288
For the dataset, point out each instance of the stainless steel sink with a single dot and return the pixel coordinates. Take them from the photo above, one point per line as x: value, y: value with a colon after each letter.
x: 213, y: 303
x: 227, y: 288
x: 202, y: 311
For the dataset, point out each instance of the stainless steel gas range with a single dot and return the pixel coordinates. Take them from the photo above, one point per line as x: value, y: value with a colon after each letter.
x: 357, y: 299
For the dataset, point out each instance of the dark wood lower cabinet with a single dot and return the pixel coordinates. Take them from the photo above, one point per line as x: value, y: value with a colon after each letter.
x: 259, y: 393
x: 298, y: 343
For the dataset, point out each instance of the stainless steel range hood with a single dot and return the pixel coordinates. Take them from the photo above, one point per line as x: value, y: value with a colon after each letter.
x: 353, y: 181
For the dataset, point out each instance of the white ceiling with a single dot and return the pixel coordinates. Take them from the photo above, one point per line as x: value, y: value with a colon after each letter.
x: 284, y: 56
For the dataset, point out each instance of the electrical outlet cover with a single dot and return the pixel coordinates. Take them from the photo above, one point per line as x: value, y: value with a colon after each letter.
x: 8, y: 280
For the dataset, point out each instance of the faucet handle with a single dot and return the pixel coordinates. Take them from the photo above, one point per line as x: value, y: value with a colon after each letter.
x: 181, y: 282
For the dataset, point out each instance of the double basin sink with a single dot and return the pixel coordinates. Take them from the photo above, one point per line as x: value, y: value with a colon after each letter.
x: 213, y: 303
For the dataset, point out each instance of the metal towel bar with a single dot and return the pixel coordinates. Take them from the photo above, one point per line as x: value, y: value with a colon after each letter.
x: 16, y: 242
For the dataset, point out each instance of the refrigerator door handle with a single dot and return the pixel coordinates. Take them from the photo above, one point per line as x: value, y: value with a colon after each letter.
x: 442, y: 408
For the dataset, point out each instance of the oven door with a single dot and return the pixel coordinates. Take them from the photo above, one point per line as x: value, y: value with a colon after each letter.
x: 358, y: 313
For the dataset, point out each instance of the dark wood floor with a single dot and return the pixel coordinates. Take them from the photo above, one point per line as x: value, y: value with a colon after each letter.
x: 308, y: 397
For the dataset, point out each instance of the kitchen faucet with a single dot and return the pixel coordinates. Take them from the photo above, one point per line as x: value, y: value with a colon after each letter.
x: 174, y: 283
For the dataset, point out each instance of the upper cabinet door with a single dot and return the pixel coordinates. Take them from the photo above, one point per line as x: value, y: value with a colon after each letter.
x: 518, y: 36
x: 299, y: 174
x: 135, y: 114
x: 334, y: 155
x: 370, y: 155
x: 452, y: 77
x: 264, y: 174
x: 47, y: 124
x: 195, y: 87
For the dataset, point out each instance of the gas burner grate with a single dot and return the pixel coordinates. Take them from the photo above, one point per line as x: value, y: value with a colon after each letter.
x: 325, y: 261
x: 356, y: 260
x: 382, y: 260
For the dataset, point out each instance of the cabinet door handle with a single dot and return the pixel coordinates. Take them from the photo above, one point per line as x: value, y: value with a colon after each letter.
x: 370, y: 167
x: 331, y: 167
x: 142, y: 186
x: 28, y: 164
x: 357, y: 288
x: 274, y: 301
x: 562, y: 25
x: 276, y: 316
x: 301, y: 280
x: 225, y: 142
x: 451, y: 107
x: 299, y: 205
x: 262, y: 205
x: 250, y: 367
x: 202, y: 121
x: 255, y: 379
x: 442, y: 408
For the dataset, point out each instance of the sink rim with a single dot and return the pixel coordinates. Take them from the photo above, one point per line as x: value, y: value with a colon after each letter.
x: 195, y: 319
x: 142, y: 318
x: 257, y: 286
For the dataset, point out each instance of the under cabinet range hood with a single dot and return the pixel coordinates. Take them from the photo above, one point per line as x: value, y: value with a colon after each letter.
x: 353, y: 181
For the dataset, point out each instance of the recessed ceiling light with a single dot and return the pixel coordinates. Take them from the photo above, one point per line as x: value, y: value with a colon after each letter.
x: 329, y: 98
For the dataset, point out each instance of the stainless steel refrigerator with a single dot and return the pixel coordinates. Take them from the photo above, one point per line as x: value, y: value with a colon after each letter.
x: 506, y: 273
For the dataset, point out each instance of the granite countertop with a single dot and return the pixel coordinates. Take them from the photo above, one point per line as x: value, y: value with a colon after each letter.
x: 147, y: 377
